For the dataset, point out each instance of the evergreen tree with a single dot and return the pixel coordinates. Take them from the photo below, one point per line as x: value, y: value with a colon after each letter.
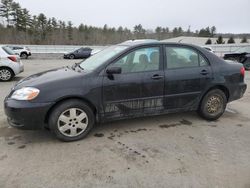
x: 231, y: 40
x: 213, y: 31
x: 209, y: 41
x: 5, y: 10
x: 139, y: 31
x: 70, y: 31
x: 220, y: 40
x: 244, y: 40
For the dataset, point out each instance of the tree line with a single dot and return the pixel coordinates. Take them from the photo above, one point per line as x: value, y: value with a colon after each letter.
x: 18, y: 26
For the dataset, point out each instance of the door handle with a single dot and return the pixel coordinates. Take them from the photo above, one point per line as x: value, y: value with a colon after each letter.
x: 157, y: 77
x: 204, y: 72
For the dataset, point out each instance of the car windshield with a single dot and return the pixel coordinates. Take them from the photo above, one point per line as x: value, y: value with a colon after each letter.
x: 98, y: 59
x: 243, y: 49
x: 8, y: 50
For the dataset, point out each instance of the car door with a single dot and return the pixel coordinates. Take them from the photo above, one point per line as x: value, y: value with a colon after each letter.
x: 85, y: 52
x: 187, y: 75
x: 77, y: 53
x: 140, y: 86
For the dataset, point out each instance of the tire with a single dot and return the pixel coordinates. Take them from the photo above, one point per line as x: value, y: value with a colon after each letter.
x: 6, y: 74
x: 247, y: 65
x: 71, y: 120
x: 213, y: 105
x: 24, y: 56
x: 71, y: 56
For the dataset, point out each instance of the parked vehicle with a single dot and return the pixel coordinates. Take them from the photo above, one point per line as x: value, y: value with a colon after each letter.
x: 242, y: 55
x: 128, y: 80
x: 10, y: 64
x: 79, y: 53
x: 23, y: 52
x: 208, y: 48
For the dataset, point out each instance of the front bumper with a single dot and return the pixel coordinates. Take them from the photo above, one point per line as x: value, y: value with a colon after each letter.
x: 66, y: 56
x: 26, y: 115
x: 21, y: 67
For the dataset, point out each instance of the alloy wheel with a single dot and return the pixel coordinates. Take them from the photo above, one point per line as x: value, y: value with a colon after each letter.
x: 72, y: 122
x: 5, y: 74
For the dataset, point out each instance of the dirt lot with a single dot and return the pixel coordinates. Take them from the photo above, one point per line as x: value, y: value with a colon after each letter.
x: 176, y: 150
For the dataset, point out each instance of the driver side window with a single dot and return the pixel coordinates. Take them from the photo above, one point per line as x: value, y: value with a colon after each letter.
x: 140, y: 60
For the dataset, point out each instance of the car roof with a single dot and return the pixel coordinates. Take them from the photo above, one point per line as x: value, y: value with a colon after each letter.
x: 141, y: 42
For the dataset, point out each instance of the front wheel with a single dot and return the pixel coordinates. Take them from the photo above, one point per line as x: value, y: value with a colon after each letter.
x: 24, y: 56
x: 71, y: 120
x: 213, y: 105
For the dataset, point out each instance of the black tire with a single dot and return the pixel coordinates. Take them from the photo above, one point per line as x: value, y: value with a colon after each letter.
x: 24, y: 55
x: 218, y: 99
x: 61, y: 110
x: 247, y: 65
x: 71, y: 56
x: 6, y: 74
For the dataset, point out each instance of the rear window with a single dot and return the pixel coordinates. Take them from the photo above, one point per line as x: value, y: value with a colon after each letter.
x: 8, y: 50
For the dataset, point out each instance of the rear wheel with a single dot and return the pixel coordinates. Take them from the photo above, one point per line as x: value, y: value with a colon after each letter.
x: 6, y: 74
x: 213, y: 105
x: 72, y: 56
x: 71, y: 120
x: 24, y: 56
x: 247, y: 65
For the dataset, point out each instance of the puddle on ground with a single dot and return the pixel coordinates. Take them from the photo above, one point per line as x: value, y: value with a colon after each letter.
x: 99, y: 135
x: 3, y: 157
x: 239, y: 125
x: 186, y: 122
x: 169, y: 125
x: 182, y: 122
x: 11, y: 143
x: 22, y: 147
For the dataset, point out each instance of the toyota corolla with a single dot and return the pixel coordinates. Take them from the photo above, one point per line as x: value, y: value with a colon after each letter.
x: 128, y: 80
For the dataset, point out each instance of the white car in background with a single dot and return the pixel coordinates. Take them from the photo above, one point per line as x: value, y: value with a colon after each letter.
x: 23, y: 52
x: 10, y: 64
x: 208, y: 48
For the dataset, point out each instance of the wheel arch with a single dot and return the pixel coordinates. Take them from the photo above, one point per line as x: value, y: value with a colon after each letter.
x: 23, y: 53
x: 58, y: 102
x: 223, y: 88
x: 6, y: 67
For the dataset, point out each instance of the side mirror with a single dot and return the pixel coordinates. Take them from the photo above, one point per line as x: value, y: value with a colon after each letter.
x: 114, y: 70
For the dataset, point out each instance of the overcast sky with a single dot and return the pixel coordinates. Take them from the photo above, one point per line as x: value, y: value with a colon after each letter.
x: 230, y: 16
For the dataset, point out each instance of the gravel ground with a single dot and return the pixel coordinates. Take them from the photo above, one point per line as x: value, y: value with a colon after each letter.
x: 175, y: 150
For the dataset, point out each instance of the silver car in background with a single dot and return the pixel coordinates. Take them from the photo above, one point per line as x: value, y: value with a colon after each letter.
x: 10, y: 64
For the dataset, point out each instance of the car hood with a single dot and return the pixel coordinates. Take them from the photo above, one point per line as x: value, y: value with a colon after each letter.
x: 68, y: 53
x: 50, y: 76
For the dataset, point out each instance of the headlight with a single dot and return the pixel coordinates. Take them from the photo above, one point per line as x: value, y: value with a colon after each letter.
x: 25, y: 94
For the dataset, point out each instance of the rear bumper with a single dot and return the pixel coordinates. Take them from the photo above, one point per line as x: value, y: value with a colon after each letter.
x: 238, y: 92
x: 18, y: 68
x: 26, y: 115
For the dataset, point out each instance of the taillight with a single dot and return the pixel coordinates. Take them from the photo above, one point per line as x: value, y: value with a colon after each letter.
x: 13, y: 58
x: 242, y: 71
